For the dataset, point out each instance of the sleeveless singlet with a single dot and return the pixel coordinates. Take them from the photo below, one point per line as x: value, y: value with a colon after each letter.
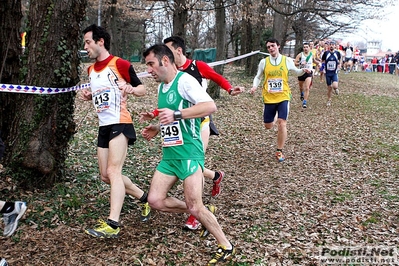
x: 110, y: 104
x: 275, y: 87
x: 181, y: 140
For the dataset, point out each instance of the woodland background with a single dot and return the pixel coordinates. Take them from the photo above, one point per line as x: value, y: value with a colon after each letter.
x: 338, y: 186
x: 37, y: 128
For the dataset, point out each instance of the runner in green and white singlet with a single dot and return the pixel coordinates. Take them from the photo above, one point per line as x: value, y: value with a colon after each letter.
x: 181, y: 140
x: 182, y: 102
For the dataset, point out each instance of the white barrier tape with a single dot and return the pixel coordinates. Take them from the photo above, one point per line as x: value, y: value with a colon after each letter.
x: 232, y: 59
x: 383, y: 64
x: 39, y: 90
x: 146, y: 74
x: 143, y: 75
x: 47, y: 90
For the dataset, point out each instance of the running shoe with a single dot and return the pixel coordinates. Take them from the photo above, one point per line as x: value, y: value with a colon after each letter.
x: 222, y: 255
x: 204, y: 232
x: 145, y: 212
x: 217, y: 188
x: 11, y: 219
x: 280, y: 156
x: 336, y: 91
x: 302, y: 96
x: 328, y: 103
x: 192, y: 223
x: 103, y: 230
x: 304, y: 104
x: 3, y: 262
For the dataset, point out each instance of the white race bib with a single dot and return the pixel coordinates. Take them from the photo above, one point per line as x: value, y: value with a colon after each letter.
x: 171, y: 135
x: 275, y: 85
x: 331, y: 65
x: 101, y: 99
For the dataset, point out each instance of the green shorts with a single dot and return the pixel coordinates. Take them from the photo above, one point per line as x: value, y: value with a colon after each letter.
x: 180, y: 168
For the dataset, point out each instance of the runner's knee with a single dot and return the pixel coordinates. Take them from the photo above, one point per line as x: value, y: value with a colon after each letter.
x: 268, y: 125
x: 105, y: 179
x: 155, y: 201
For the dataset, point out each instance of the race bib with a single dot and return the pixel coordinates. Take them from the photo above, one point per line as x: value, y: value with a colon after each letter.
x: 171, y: 135
x: 101, y: 99
x: 331, y: 65
x: 275, y: 85
x: 305, y: 64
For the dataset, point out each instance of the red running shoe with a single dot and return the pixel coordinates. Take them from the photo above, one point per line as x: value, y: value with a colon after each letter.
x: 192, y: 223
x: 216, y: 189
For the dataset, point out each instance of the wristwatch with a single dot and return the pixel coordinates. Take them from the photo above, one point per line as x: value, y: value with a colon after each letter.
x: 177, y: 115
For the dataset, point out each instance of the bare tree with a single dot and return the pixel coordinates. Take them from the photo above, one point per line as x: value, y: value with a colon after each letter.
x: 180, y: 16
x: 10, y: 52
x: 126, y: 21
x: 281, y: 23
x: 38, y: 127
x: 10, y: 46
x: 249, y: 31
x: 320, y: 19
x: 214, y: 90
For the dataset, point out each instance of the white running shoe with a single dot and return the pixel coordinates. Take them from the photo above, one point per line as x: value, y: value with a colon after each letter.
x: 11, y: 219
x: 3, y: 262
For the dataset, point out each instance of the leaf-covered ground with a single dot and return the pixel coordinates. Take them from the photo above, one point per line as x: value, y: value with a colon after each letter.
x: 338, y: 185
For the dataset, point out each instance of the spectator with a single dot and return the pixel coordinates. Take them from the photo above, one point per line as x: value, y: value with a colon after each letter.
x: 396, y: 60
x: 374, y: 63
x: 356, y: 59
x: 367, y: 66
x: 362, y: 62
x: 386, y: 65
x: 381, y: 64
x: 392, y: 64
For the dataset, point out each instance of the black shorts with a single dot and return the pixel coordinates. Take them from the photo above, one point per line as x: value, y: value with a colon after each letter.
x: 305, y: 76
x: 107, y: 133
x: 347, y: 59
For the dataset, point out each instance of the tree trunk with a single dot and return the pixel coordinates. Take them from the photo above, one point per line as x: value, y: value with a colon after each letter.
x: 110, y: 23
x: 180, y: 16
x: 281, y: 23
x: 10, y: 52
x: 279, y: 27
x: 40, y: 126
x: 252, y: 62
x: 299, y: 30
x: 248, y: 33
x: 214, y: 89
